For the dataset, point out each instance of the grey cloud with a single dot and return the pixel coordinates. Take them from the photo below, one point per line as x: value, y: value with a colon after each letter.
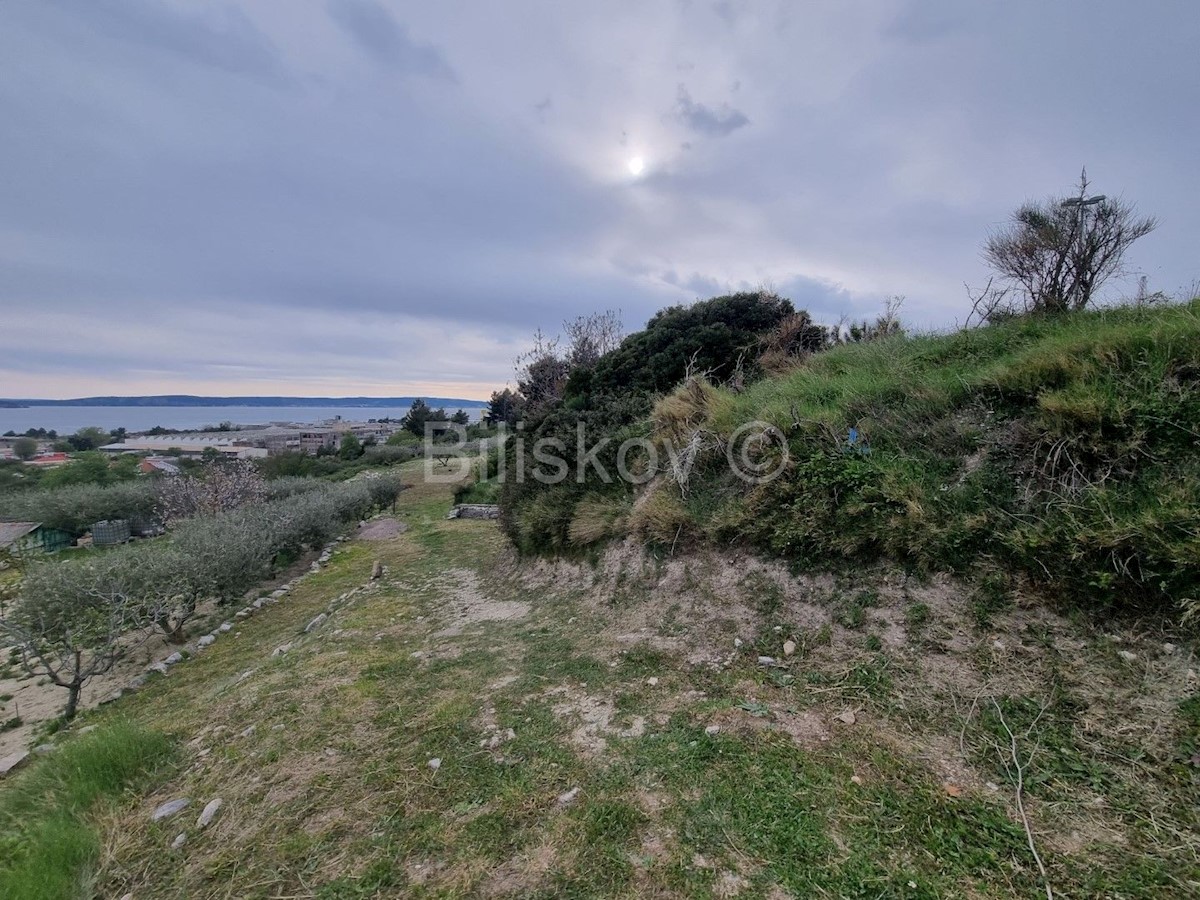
x: 221, y: 37
x: 160, y: 213
x: 373, y: 27
x: 706, y: 120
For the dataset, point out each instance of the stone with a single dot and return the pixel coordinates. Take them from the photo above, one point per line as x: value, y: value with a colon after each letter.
x: 259, y: 603
x: 160, y: 668
x: 279, y: 727
x: 569, y: 797
x: 847, y: 717
x: 712, y: 729
x: 136, y: 684
x: 170, y: 808
x: 206, y: 641
x: 173, y: 659
x: 86, y: 729
x: 279, y: 593
x: 209, y: 813
x: 247, y: 731
x: 376, y: 571
x: 225, y: 627
x: 316, y: 623
x: 180, y: 840
x: 281, y: 649
x: 737, y: 642
x: 789, y: 647
x: 243, y: 613
x: 435, y: 763
x: 652, y: 681
x: 1169, y: 648
x: 1127, y: 655
x: 766, y: 660
x: 997, y: 645
x: 45, y: 748
x: 12, y: 761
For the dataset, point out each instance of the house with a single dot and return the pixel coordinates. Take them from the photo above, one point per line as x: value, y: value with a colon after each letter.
x: 32, y: 537
x: 158, y: 465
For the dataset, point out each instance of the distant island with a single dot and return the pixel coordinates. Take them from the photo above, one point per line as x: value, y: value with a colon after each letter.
x: 183, y: 400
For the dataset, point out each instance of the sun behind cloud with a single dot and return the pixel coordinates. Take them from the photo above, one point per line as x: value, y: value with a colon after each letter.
x: 636, y: 165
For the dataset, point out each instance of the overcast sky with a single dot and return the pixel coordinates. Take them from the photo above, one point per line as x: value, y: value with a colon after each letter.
x: 385, y: 198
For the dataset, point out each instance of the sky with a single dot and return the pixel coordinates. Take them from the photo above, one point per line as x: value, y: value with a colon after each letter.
x: 373, y: 197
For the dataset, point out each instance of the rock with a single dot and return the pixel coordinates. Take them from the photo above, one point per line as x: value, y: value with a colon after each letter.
x: 997, y: 645
x: 86, y: 729
x: 225, y: 626
x: 652, y: 681
x: 855, y: 779
x: 314, y: 568
x: 279, y: 593
x: 789, y: 647
x: 243, y: 613
x: 160, y: 668
x: 766, y: 660
x: 1127, y: 655
x: 847, y: 717
x: 247, y: 731
x: 569, y: 797
x: 279, y: 727
x: 1169, y: 648
x: 316, y: 623
x: 435, y: 763
x: 712, y: 729
x: 180, y: 840
x: 170, y: 808
x: 45, y: 748
x: 207, y: 640
x: 12, y: 761
x: 377, y: 571
x: 737, y: 642
x: 259, y: 603
x: 281, y: 649
x: 173, y: 659
x: 209, y: 813
x: 136, y: 684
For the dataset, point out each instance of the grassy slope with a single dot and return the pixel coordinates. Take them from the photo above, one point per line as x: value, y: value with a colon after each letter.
x: 331, y: 794
x: 1063, y: 448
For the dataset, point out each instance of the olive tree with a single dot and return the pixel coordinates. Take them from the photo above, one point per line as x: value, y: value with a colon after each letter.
x: 1057, y: 254
x: 70, y: 623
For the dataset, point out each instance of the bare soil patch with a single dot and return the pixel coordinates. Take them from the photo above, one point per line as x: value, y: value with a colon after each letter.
x: 380, y: 529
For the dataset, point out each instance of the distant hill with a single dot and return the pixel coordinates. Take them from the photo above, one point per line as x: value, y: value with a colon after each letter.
x: 191, y: 400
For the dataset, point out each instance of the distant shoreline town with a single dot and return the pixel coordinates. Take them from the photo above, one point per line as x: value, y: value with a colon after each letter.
x: 184, y: 400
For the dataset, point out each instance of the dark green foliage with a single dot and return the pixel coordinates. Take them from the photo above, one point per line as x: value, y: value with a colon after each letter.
x: 709, y: 336
x: 607, y: 403
x: 419, y: 414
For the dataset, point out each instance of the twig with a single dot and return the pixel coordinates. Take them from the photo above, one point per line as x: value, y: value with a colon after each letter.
x: 1012, y: 744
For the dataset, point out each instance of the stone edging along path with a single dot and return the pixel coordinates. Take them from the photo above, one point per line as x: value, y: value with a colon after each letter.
x: 161, y: 667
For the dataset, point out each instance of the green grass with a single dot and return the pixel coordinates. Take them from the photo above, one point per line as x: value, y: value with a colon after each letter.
x: 49, y: 844
x: 1062, y: 448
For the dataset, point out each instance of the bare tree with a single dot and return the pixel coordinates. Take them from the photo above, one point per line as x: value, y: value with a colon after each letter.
x: 543, y: 370
x: 1059, y: 253
x: 590, y: 337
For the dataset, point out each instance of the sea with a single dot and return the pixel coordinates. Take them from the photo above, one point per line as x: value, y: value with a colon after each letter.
x: 69, y: 419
